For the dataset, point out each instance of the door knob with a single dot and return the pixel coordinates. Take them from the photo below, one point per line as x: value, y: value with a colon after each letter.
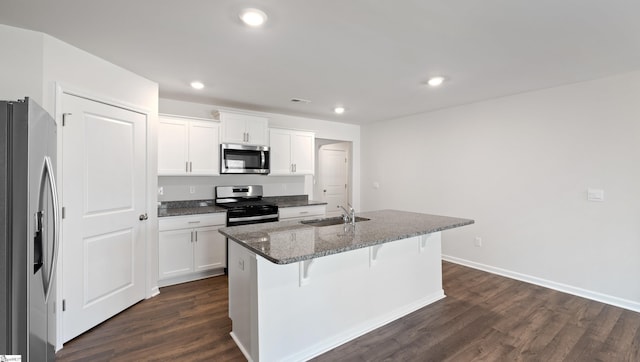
x: 143, y: 217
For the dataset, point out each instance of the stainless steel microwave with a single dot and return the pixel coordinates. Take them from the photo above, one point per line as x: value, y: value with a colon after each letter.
x: 243, y: 159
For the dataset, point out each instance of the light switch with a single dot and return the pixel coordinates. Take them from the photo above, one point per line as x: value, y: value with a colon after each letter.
x: 595, y: 194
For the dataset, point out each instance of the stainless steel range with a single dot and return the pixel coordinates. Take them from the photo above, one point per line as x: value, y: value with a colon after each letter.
x: 244, y: 206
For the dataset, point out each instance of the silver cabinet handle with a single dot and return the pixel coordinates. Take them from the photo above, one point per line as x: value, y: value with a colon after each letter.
x: 191, y: 236
x: 295, y: 167
x: 47, y: 174
x: 190, y: 166
x: 196, y: 235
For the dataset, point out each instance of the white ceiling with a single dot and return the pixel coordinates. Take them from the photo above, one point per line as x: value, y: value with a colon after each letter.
x: 372, y: 56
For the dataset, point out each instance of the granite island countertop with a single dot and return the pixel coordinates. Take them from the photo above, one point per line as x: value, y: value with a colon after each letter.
x: 286, y: 242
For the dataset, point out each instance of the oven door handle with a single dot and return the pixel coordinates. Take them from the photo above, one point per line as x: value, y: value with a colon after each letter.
x: 252, y: 218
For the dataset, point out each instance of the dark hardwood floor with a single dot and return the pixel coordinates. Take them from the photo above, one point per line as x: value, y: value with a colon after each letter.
x: 484, y: 318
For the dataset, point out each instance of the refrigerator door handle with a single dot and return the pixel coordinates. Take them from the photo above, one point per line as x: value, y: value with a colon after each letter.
x: 47, y: 174
x: 37, y: 242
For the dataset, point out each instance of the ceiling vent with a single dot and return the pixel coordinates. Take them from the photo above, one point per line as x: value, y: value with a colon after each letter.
x: 300, y: 100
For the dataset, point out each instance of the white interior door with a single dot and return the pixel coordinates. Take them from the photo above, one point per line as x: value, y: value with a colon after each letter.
x: 333, y: 179
x: 104, y: 188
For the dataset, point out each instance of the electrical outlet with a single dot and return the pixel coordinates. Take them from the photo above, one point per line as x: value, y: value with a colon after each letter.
x: 478, y: 241
x: 160, y: 190
x: 192, y: 189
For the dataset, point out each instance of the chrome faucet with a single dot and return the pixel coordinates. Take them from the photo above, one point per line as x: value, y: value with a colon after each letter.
x: 349, y: 216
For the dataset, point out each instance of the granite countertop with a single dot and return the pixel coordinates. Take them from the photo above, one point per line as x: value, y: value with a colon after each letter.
x: 194, y: 207
x: 292, y: 201
x: 190, y: 207
x: 288, y: 242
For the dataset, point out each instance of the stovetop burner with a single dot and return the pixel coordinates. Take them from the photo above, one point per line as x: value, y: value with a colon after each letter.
x: 239, y: 203
x: 245, y: 205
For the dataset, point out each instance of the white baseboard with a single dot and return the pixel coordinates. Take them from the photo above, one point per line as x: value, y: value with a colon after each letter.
x: 244, y: 351
x: 584, y: 293
x: 190, y: 277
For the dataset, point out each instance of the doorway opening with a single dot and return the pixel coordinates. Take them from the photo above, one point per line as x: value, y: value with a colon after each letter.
x: 333, y: 181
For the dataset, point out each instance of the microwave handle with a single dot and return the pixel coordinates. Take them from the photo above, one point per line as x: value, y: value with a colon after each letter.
x: 263, y: 162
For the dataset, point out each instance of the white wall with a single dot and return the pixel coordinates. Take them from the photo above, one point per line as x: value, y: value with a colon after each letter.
x: 520, y: 166
x: 322, y: 129
x: 21, y: 64
x: 175, y: 188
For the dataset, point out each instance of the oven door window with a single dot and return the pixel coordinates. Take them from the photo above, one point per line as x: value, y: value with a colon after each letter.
x: 246, y: 160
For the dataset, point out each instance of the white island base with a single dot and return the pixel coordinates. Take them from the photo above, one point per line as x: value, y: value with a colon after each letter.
x: 293, y: 312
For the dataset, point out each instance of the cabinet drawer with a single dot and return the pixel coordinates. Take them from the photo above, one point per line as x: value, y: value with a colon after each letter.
x: 302, y: 211
x: 192, y: 221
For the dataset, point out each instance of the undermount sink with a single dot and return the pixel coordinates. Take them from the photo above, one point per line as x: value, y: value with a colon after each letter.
x: 329, y: 221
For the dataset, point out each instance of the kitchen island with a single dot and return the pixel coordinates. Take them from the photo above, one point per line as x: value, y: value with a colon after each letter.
x: 297, y: 290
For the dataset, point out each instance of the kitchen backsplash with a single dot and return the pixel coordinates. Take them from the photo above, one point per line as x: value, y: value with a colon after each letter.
x: 173, y: 188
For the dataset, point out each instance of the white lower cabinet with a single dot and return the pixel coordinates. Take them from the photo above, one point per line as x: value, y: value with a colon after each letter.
x: 302, y: 212
x: 190, y: 248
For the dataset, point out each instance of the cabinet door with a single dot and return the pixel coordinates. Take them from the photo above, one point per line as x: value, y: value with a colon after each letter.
x: 175, y: 252
x: 233, y: 128
x: 204, y: 148
x: 257, y: 130
x: 280, y: 152
x: 210, y: 249
x: 173, y: 140
x: 302, y: 153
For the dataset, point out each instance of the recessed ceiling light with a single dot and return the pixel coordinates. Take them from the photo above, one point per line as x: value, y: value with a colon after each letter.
x: 435, y: 81
x: 197, y: 85
x: 339, y: 110
x: 253, y: 17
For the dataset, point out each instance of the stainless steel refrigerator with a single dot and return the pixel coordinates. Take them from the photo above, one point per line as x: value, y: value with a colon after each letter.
x: 29, y: 228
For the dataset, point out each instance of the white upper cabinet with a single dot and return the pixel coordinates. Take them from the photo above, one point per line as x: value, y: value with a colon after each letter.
x: 204, y: 148
x: 188, y: 147
x: 244, y: 128
x: 292, y: 152
x: 173, y: 146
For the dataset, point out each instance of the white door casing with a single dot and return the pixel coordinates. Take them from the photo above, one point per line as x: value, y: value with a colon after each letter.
x: 333, y: 179
x: 104, y: 195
